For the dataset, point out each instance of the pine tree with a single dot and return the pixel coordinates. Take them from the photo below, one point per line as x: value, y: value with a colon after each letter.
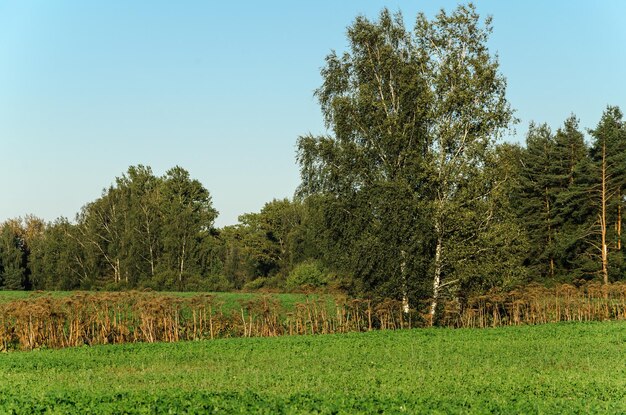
x: 608, y: 152
x: 539, y: 185
x: 571, y: 213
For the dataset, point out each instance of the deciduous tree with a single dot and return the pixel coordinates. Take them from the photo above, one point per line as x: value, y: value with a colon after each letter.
x: 414, y: 117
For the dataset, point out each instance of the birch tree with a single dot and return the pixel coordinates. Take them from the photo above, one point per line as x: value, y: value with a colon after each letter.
x: 413, y: 116
x: 187, y: 217
x: 141, y: 193
x: 468, y: 111
x: 368, y: 174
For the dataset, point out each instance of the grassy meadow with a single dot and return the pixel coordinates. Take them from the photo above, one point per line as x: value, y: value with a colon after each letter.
x: 552, y: 368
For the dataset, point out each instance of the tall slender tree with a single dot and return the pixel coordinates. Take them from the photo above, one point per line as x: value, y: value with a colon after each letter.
x: 468, y: 111
x: 374, y: 99
x: 572, y: 209
x: 414, y: 116
x: 609, y: 154
x: 537, y: 198
x: 140, y: 192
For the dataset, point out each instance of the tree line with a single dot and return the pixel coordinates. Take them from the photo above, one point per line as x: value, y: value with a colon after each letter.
x: 410, y: 195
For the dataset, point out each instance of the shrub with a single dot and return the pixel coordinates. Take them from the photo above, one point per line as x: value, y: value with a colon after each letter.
x: 217, y: 282
x: 307, y: 274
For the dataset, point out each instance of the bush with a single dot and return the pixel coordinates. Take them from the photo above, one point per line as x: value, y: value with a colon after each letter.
x: 217, y: 282
x: 309, y: 273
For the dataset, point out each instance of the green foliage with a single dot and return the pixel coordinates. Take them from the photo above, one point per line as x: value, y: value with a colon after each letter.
x: 13, y: 256
x: 402, y: 179
x: 363, y: 183
x: 144, y: 231
x: 307, y: 274
x: 266, y: 244
x: 487, y: 247
x: 211, y: 282
x: 508, y: 370
x: 559, y: 199
x: 553, y: 188
x: 56, y: 258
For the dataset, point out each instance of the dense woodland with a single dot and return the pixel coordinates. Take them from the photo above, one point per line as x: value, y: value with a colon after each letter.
x: 411, y: 195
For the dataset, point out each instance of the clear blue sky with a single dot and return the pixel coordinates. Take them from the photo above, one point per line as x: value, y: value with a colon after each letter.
x: 224, y: 89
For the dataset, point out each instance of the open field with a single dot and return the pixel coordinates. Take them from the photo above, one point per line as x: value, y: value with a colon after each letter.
x: 554, y: 368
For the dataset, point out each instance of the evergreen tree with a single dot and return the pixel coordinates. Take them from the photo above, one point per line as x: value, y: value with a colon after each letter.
x: 13, y: 256
x: 540, y: 183
x: 551, y: 201
x: 572, y: 210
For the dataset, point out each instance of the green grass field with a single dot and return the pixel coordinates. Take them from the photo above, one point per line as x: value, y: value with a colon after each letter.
x: 555, y: 368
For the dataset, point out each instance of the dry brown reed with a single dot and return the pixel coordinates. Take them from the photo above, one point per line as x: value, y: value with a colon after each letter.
x: 536, y: 304
x: 103, y: 318
x: 113, y: 318
x: 122, y: 317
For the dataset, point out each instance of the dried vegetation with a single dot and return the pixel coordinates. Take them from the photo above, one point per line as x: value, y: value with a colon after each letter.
x: 108, y: 318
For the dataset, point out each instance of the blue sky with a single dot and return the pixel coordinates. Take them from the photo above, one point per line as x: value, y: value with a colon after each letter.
x: 224, y: 89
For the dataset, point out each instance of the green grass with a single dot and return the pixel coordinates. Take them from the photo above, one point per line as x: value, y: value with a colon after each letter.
x: 555, y: 368
x: 6, y: 296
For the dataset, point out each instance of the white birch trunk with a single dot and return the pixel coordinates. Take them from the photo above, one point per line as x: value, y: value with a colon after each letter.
x: 182, y: 261
x: 437, y: 276
x: 405, y: 294
x: 117, y: 271
x: 151, y: 250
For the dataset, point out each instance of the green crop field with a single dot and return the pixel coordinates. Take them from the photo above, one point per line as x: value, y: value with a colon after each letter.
x: 554, y: 368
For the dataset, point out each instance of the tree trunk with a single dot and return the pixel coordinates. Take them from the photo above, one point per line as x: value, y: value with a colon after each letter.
x: 438, y: 269
x: 182, y: 262
x: 618, y: 224
x: 604, y: 247
x: 149, y: 235
x: 548, y: 219
x: 151, y: 261
x: 405, y: 294
x: 117, y: 271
